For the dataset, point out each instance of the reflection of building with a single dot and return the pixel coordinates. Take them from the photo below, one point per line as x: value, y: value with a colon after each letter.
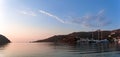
x: 114, y: 36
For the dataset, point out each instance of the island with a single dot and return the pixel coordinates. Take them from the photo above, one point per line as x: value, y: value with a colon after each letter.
x: 4, y: 40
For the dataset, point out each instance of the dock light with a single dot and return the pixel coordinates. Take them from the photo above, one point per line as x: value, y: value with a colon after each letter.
x: 109, y: 35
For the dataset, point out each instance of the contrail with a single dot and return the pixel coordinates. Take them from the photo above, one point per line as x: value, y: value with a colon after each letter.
x: 51, y: 15
x: 30, y: 13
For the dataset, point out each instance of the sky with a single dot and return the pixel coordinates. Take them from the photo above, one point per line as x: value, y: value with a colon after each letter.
x: 30, y: 20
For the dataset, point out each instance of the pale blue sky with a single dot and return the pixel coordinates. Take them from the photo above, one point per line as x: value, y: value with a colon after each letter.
x: 49, y: 17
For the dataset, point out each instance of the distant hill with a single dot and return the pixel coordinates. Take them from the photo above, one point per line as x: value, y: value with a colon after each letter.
x: 71, y: 38
x: 55, y: 38
x: 4, y: 40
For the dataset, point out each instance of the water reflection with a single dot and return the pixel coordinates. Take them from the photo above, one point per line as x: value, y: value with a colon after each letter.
x: 96, y: 48
x: 59, y: 50
x: 2, y: 48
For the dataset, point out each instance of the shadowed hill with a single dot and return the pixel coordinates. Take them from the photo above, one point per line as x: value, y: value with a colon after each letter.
x: 4, y: 40
x: 55, y: 38
x: 72, y: 37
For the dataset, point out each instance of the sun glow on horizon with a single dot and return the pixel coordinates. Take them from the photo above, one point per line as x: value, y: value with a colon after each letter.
x: 17, y: 32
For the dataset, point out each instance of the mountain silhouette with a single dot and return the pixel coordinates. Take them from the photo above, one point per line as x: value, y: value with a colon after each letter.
x: 4, y: 40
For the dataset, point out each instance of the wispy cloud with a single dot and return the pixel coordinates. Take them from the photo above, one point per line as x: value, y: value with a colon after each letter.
x: 90, y: 20
x: 96, y: 20
x: 30, y: 13
x: 51, y: 15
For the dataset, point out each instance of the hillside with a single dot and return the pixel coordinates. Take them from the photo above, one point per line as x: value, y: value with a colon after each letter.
x: 72, y: 37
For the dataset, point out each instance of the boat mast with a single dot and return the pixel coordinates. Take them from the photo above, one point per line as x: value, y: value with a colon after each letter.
x: 92, y: 33
x: 101, y: 34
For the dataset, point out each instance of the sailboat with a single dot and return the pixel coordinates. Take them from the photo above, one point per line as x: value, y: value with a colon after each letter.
x: 99, y: 40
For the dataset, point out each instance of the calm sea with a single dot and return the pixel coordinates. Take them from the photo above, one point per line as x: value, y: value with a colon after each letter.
x: 59, y: 50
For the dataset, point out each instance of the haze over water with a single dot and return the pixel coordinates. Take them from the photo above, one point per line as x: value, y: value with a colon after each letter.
x: 58, y: 50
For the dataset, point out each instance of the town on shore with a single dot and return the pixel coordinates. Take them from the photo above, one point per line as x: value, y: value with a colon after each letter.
x: 98, y: 36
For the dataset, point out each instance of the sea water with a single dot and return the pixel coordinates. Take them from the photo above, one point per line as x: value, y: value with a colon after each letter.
x: 59, y: 50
